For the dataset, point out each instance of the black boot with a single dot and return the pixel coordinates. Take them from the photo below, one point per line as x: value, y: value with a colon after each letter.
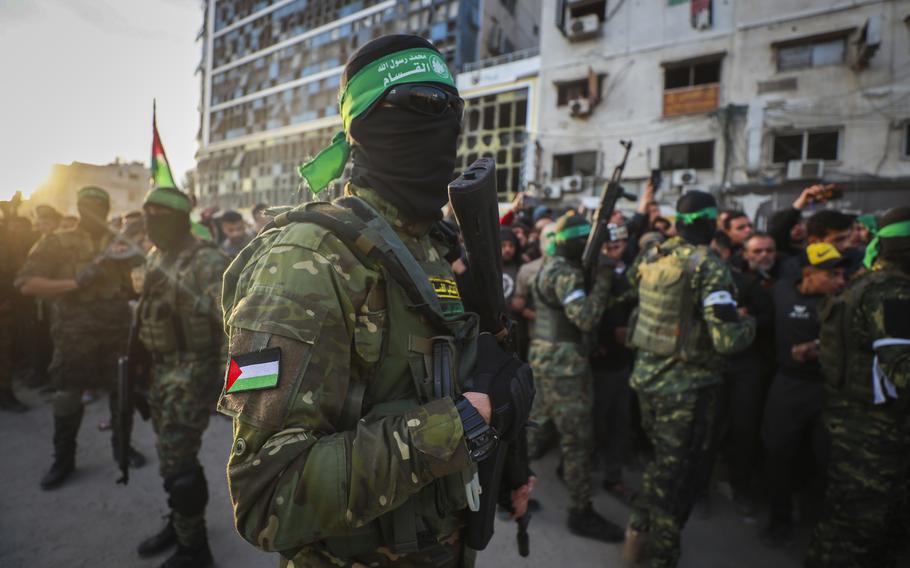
x: 165, y: 539
x: 190, y: 557
x: 10, y: 403
x: 588, y: 523
x: 65, y: 430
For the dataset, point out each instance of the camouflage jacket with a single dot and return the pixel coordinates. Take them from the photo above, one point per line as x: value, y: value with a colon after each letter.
x: 185, y: 284
x: 663, y: 375
x: 879, y: 316
x: 300, y: 474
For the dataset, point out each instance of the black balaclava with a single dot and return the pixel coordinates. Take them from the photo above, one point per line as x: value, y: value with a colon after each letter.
x: 408, y: 158
x: 700, y: 231
x: 93, y: 216
x: 168, y: 230
x: 571, y: 249
x: 896, y: 250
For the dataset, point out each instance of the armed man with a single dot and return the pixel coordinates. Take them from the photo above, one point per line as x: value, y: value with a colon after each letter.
x: 89, y: 323
x: 354, y: 444
x: 865, y: 357
x: 567, y: 313
x: 180, y: 325
x: 686, y: 321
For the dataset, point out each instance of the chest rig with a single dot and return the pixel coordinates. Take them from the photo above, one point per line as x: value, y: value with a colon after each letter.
x: 552, y: 324
x: 175, y: 316
x: 418, y: 355
x: 78, y: 250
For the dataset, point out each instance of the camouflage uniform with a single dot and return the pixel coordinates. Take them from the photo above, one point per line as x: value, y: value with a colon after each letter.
x: 344, y: 462
x: 181, y: 326
x: 89, y: 326
x: 562, y: 372
x: 678, y: 394
x: 869, y: 471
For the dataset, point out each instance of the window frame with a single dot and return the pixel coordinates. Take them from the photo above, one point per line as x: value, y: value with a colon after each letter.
x: 594, y: 154
x: 687, y: 166
x: 805, y: 133
x: 811, y: 42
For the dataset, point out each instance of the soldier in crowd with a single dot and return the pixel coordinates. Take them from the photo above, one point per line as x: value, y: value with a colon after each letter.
x: 89, y: 323
x: 236, y: 235
x: 566, y: 313
x: 47, y: 222
x: 865, y: 357
x: 345, y: 451
x: 180, y: 325
x: 686, y: 321
x: 9, y: 261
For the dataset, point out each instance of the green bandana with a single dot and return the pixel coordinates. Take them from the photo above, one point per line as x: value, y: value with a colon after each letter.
x: 170, y: 198
x: 689, y: 218
x: 92, y: 191
x: 417, y: 65
x: 901, y: 229
x: 573, y: 232
x: 869, y: 222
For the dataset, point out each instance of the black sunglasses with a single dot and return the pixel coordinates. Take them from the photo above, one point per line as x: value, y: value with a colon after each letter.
x: 425, y: 99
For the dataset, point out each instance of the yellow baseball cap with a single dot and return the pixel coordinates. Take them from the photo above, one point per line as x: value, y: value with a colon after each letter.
x: 824, y: 256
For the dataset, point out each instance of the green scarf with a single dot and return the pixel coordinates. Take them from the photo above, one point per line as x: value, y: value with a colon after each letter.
x: 416, y: 65
x: 689, y: 218
x: 901, y: 229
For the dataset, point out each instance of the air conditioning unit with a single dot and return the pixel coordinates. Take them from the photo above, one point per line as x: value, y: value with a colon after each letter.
x: 572, y: 183
x: 683, y: 177
x: 551, y: 191
x: 583, y: 28
x: 805, y: 169
x: 580, y: 107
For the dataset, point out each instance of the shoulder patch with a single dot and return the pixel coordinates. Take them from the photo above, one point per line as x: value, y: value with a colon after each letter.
x: 573, y: 296
x: 254, y: 371
x: 719, y: 297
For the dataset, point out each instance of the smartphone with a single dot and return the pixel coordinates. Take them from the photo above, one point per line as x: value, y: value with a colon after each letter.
x: 656, y: 179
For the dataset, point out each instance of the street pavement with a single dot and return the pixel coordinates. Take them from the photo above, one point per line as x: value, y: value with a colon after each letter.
x: 94, y: 522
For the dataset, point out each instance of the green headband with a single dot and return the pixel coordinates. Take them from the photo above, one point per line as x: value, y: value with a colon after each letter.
x: 573, y: 232
x: 92, y: 191
x: 869, y: 222
x: 689, y: 218
x: 901, y: 229
x: 170, y: 198
x: 417, y: 65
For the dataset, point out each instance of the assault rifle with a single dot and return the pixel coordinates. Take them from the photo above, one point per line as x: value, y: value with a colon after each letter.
x: 473, y: 199
x: 611, y: 193
x: 133, y: 374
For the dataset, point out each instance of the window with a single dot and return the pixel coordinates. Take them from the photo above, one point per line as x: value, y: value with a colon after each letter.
x: 578, y: 89
x: 691, y: 74
x: 580, y: 8
x: 811, y: 53
x: 906, y: 153
x: 806, y: 145
x: 695, y: 155
x: 579, y: 163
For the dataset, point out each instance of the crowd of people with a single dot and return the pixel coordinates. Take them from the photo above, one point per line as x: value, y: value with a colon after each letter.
x: 365, y: 395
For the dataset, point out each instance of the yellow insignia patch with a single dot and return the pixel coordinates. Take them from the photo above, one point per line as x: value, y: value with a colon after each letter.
x: 445, y: 289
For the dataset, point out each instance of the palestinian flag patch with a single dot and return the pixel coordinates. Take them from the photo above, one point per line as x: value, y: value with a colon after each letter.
x: 254, y: 371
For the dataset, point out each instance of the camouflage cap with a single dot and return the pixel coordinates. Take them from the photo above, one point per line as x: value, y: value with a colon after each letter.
x: 92, y: 192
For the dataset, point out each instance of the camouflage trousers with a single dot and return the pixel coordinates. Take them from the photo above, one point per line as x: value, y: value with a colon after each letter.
x: 868, y: 486
x: 182, y: 396
x: 450, y: 553
x: 562, y: 378
x: 680, y: 426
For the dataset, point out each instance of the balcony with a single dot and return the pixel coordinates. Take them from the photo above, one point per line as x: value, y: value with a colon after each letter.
x: 691, y: 100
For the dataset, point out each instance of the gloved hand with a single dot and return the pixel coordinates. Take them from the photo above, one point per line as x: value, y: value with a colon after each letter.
x: 507, y: 381
x: 90, y: 274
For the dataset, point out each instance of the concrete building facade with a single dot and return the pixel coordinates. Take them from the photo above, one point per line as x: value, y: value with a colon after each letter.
x: 752, y: 100
x: 126, y: 182
x: 270, y: 76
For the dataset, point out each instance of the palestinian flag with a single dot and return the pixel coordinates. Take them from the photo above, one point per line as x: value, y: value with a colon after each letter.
x: 161, y: 170
x: 254, y: 371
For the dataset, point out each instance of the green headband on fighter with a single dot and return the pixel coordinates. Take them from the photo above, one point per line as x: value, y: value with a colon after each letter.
x: 170, y: 198
x: 901, y: 229
x: 689, y: 218
x: 573, y: 233
x: 417, y: 65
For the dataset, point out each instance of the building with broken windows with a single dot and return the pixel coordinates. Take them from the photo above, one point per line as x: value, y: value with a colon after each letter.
x: 752, y: 100
x: 270, y: 73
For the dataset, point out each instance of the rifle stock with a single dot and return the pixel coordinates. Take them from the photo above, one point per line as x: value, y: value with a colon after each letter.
x: 474, y: 201
x: 132, y: 374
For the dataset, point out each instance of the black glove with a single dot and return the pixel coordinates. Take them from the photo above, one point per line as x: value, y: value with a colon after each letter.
x: 90, y: 274
x: 507, y: 381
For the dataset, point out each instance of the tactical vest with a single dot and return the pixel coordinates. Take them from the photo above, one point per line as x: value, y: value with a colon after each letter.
x: 78, y: 250
x: 418, y: 356
x: 551, y: 323
x: 846, y: 364
x: 174, y: 316
x: 666, y: 320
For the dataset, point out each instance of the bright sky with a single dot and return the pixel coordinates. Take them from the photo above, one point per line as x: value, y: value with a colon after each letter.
x: 77, y: 79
